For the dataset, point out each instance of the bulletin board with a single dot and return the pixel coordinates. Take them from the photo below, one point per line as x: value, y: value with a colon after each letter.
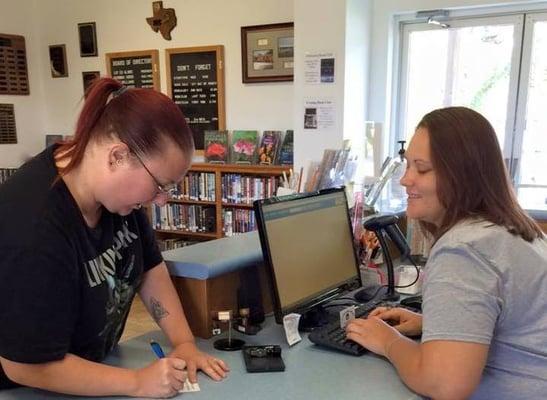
x: 195, y: 82
x: 139, y: 69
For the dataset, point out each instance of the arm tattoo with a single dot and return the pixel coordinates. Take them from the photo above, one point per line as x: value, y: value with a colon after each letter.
x: 157, y: 310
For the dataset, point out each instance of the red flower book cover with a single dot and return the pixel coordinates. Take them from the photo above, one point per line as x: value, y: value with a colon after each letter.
x: 243, y: 145
x: 216, y: 147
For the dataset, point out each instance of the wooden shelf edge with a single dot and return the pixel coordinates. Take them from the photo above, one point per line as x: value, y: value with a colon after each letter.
x: 197, y: 202
x: 240, y: 168
x: 236, y: 205
x: 207, y: 235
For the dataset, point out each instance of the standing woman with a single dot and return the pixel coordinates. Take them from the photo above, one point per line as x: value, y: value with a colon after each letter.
x: 75, y: 247
x: 484, y: 321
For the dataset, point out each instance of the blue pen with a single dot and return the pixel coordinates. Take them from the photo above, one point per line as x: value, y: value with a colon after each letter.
x: 157, y: 349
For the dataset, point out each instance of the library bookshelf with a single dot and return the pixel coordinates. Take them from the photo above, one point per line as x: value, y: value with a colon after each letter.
x: 208, y: 192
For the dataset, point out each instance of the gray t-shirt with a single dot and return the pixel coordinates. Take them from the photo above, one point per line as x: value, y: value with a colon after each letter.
x: 485, y: 285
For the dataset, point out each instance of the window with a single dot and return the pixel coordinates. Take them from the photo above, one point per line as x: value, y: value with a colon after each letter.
x: 494, y: 65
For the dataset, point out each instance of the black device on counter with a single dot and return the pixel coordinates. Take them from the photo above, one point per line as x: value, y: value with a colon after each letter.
x: 266, y: 358
x: 386, y: 225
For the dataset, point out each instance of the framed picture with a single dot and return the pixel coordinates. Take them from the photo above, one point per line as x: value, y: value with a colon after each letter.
x: 267, y: 52
x: 87, y: 78
x: 57, y: 61
x: 88, y: 39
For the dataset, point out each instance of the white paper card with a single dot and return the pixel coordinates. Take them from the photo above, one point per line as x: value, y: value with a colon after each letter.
x: 189, y: 387
x: 290, y: 324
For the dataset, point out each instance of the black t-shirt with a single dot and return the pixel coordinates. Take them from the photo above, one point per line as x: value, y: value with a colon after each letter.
x: 64, y: 287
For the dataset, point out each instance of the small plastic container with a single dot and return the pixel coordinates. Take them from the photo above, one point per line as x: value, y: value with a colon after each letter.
x: 405, y: 275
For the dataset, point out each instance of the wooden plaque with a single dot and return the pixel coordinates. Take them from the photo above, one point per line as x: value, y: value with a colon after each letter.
x: 8, y: 132
x: 13, y: 65
x: 195, y: 81
x: 138, y: 69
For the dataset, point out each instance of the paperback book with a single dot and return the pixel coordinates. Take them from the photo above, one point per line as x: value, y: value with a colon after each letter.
x: 216, y: 147
x: 269, y: 145
x: 243, y: 147
x: 286, y: 151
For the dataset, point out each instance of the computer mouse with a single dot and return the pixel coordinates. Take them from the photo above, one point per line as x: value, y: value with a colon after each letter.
x: 414, y: 302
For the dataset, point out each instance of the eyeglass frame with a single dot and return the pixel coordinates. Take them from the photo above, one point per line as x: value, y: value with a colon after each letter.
x: 168, y: 189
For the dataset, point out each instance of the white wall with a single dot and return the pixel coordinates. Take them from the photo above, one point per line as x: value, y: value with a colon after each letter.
x: 319, y: 27
x: 358, y: 38
x: 122, y: 26
x: 20, y: 18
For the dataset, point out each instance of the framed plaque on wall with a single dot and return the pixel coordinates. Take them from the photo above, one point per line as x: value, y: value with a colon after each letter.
x: 13, y: 65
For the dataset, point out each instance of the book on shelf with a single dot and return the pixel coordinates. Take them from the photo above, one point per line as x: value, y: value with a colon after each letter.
x: 326, y: 169
x: 216, y: 147
x: 244, y: 189
x: 238, y: 221
x: 183, y: 217
x: 175, y: 243
x: 196, y: 186
x: 243, y: 147
x: 269, y: 146
x: 312, y: 178
x: 335, y: 169
x: 286, y: 151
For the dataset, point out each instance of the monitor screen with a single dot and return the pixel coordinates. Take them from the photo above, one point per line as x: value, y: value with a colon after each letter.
x: 308, y: 248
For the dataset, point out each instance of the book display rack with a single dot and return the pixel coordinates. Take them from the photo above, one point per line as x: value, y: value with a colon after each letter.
x: 213, y: 201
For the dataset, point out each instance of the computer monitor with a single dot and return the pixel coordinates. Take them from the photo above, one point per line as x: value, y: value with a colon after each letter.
x: 308, y: 251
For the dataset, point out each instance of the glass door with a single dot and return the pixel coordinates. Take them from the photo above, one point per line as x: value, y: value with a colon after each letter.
x: 529, y: 159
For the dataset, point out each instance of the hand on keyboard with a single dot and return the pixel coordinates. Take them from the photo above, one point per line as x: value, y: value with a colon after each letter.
x: 372, y: 333
x: 334, y: 337
x: 405, y: 321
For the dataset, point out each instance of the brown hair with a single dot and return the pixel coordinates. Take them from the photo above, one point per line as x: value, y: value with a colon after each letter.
x: 141, y: 118
x: 472, y: 180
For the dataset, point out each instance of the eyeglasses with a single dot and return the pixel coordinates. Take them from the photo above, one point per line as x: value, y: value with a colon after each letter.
x: 169, y: 189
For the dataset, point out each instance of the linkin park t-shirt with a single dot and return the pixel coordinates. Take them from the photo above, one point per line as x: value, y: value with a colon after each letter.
x: 64, y: 287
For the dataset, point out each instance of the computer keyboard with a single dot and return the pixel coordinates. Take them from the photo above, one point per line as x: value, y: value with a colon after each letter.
x: 334, y: 337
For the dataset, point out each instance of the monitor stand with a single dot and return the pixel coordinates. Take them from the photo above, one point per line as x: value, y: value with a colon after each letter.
x: 313, y: 318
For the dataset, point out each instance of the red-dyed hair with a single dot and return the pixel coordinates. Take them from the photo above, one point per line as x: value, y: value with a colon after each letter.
x: 472, y: 180
x: 141, y: 118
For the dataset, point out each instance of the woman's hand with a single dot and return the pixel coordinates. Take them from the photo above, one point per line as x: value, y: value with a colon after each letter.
x: 405, y: 321
x: 161, y: 379
x: 196, y: 359
x: 372, y: 333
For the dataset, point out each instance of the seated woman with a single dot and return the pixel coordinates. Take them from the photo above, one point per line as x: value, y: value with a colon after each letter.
x: 484, y: 319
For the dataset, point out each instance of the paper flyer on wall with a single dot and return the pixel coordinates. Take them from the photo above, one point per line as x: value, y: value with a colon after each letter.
x: 319, y: 68
x: 319, y: 114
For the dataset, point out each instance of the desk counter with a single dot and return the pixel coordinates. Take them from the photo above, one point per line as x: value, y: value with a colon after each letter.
x: 311, y: 372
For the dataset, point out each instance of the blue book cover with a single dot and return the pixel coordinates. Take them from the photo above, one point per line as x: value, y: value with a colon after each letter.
x: 287, y: 149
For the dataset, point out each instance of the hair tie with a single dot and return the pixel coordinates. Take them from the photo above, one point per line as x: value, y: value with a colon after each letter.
x: 120, y: 91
